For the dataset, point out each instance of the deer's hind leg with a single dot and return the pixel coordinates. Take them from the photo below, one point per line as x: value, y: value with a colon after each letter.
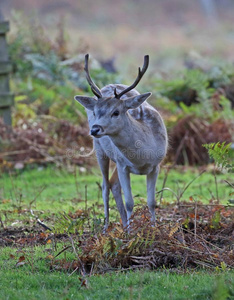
x: 116, y: 191
x: 124, y: 179
x: 151, y: 184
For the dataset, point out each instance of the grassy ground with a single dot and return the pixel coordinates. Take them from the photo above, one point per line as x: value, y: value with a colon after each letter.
x: 133, y: 285
x: 57, y: 189
x: 34, y: 280
x: 54, y: 190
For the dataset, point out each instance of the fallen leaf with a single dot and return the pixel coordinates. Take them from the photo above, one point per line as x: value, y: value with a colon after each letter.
x: 22, y: 258
x: 49, y: 256
x: 4, y: 201
x: 20, y: 264
x: 84, y: 282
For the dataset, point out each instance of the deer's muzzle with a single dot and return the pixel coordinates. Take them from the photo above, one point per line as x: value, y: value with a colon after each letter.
x: 96, y: 130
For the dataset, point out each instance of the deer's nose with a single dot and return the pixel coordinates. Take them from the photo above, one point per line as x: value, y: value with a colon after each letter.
x: 95, y: 130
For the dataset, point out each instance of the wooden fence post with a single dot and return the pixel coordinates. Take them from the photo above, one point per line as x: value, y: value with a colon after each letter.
x: 6, y: 98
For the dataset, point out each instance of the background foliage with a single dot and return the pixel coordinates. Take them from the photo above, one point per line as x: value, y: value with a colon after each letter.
x: 196, y: 102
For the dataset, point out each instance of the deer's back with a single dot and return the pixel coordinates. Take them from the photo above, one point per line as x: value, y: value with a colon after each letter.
x: 144, y: 113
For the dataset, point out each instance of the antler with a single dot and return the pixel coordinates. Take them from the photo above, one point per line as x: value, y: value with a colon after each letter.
x: 141, y: 72
x: 93, y: 86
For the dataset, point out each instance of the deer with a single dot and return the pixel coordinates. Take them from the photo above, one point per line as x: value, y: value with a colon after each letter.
x: 130, y: 132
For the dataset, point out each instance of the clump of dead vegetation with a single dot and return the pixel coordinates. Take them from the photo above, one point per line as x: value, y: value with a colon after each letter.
x: 184, y: 237
x: 45, y: 141
x: 190, y: 134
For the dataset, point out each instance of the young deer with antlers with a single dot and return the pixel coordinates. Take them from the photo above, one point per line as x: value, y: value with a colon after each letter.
x: 131, y: 133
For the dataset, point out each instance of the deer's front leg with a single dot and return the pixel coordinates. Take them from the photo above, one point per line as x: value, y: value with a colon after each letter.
x: 151, y: 184
x: 116, y: 191
x: 104, y: 166
x: 124, y: 178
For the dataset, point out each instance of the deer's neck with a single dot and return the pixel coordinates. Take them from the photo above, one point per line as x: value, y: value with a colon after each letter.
x: 132, y: 137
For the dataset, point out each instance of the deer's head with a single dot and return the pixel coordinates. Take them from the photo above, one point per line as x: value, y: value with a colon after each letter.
x: 109, y: 114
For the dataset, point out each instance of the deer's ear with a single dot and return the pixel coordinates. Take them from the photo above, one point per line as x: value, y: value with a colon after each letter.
x: 87, y: 102
x: 136, y: 101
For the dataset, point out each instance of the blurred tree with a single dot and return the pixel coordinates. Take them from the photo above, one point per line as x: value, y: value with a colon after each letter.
x: 210, y: 10
x: 6, y: 98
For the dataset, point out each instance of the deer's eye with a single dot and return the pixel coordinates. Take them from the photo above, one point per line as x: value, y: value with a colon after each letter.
x: 115, y: 113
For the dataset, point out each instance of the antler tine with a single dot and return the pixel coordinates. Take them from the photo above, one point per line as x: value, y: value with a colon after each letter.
x: 94, y: 88
x: 141, y: 72
x: 115, y: 92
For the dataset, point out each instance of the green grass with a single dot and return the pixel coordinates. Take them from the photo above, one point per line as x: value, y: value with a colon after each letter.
x: 34, y: 280
x: 57, y: 189
x: 132, y: 285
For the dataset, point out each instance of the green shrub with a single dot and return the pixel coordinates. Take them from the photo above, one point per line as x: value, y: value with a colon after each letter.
x: 220, y: 153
